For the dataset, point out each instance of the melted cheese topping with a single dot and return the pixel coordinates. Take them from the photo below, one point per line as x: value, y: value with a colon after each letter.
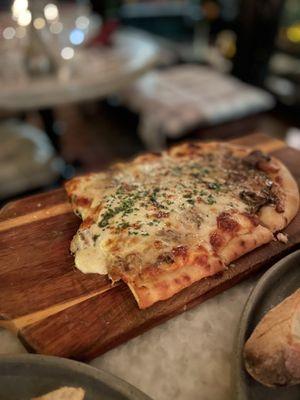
x: 149, y: 210
x: 91, y: 260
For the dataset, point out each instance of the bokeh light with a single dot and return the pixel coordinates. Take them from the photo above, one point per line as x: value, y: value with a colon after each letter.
x: 24, y: 18
x: 82, y: 22
x: 18, y: 8
x: 39, y: 23
x: 9, y: 32
x: 56, y: 27
x: 51, y: 12
x: 67, y: 53
x: 20, y: 32
x: 293, y: 33
x: 76, y: 36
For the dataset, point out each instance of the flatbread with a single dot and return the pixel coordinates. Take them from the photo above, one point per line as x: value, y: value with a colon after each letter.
x: 163, y: 221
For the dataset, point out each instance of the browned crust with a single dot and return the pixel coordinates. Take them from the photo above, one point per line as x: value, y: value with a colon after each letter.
x: 196, y: 148
x: 147, y: 157
x: 84, y: 193
x: 236, y: 235
x: 268, y: 215
x: 169, y: 283
x: 242, y: 244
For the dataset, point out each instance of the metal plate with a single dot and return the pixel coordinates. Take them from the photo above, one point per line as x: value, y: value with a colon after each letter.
x: 25, y: 376
x: 275, y: 285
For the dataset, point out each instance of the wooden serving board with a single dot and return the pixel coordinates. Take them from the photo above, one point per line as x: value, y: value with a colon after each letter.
x: 57, y: 310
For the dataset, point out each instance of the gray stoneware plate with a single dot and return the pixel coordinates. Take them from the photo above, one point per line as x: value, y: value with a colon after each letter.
x: 274, y: 286
x: 25, y: 376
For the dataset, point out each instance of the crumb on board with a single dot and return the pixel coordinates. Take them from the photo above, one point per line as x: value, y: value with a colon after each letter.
x: 282, y: 237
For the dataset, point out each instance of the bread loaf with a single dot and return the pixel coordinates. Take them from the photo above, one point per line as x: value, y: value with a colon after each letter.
x: 272, y: 353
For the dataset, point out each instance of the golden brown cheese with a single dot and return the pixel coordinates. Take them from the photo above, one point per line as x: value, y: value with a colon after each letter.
x: 166, y: 220
x: 154, y: 206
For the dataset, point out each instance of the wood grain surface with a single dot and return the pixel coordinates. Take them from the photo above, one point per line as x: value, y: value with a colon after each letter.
x: 57, y: 310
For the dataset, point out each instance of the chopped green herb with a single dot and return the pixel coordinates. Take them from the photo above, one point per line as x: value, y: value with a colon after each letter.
x: 210, y: 200
x: 153, y: 196
x: 214, y: 186
x: 197, y: 175
x: 133, y: 233
x: 123, y: 225
x: 120, y: 190
x: 126, y: 207
x: 177, y: 170
x: 95, y: 237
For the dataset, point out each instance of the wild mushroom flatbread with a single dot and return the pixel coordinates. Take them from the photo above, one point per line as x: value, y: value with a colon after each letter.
x: 163, y: 221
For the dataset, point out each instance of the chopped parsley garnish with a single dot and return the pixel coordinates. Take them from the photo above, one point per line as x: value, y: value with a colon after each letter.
x: 177, y: 171
x: 153, y: 195
x: 120, y: 190
x: 191, y: 201
x: 153, y: 198
x: 171, y: 188
x: 126, y: 207
x: 214, y: 186
x: 210, y: 200
x: 189, y: 198
x: 123, y: 225
x: 95, y: 237
x: 197, y: 175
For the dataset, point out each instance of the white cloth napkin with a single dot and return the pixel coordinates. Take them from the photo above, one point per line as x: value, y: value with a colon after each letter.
x: 175, y: 100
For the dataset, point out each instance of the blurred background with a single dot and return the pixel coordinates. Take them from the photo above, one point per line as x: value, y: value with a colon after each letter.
x: 86, y: 83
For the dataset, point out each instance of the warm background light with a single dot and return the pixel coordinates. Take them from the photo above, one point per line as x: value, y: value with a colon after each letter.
x: 24, y: 18
x: 39, y: 23
x: 20, y: 32
x: 18, y: 8
x: 51, y: 12
x: 67, y: 53
x: 293, y: 33
x: 9, y: 32
x: 56, y: 27
x: 82, y: 22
